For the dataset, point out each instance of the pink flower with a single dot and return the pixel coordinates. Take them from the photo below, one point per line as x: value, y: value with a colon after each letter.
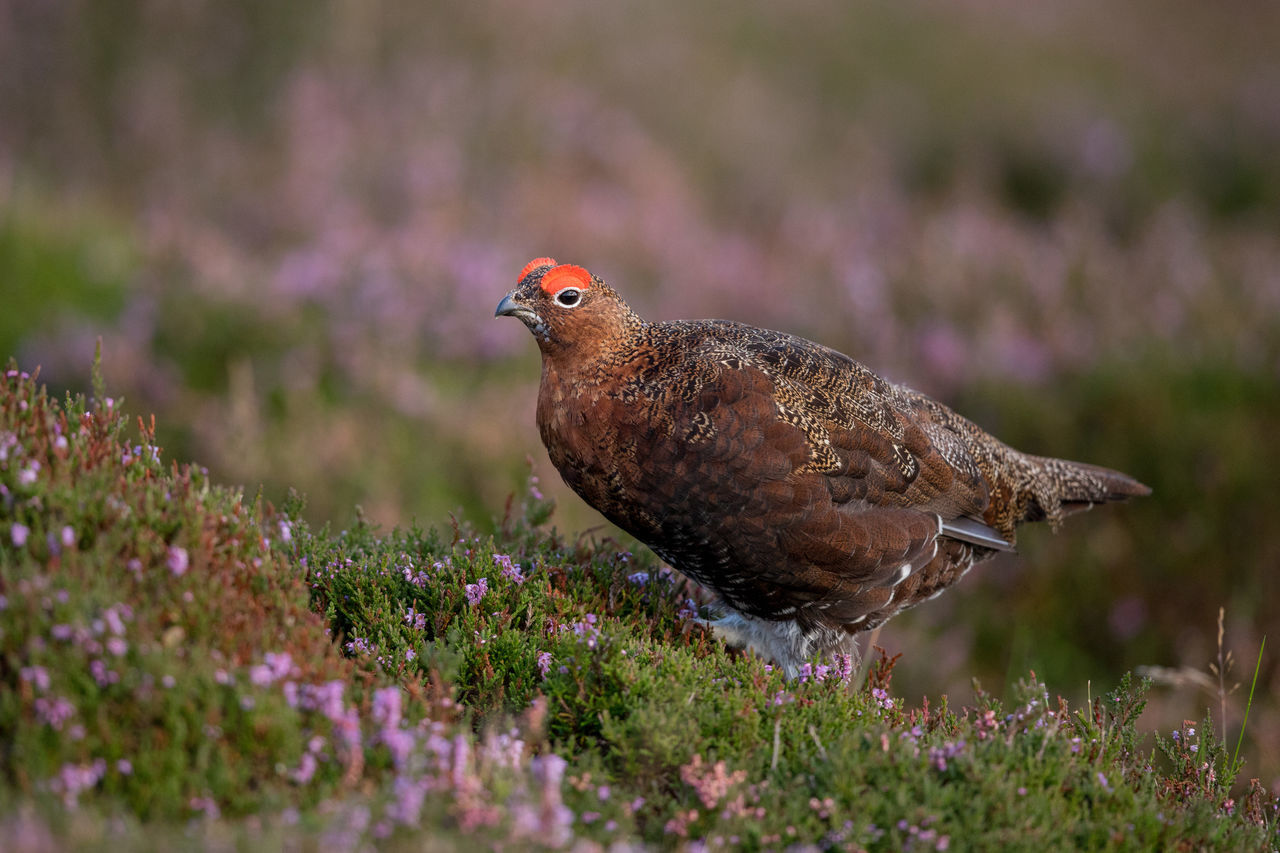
x: 19, y: 533
x: 178, y: 560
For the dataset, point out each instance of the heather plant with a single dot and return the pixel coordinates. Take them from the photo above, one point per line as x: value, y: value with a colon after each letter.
x: 172, y: 653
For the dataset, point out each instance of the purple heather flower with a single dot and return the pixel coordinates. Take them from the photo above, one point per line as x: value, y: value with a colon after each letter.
x: 510, y: 570
x: 28, y: 475
x: 544, y: 663
x: 177, y: 560
x: 74, y: 778
x: 410, y: 795
x: 103, y: 676
x: 400, y: 743
x: 386, y: 707
x: 114, y: 619
x: 476, y: 591
x: 306, y: 769
x: 638, y: 578
x: 54, y: 711
x: 19, y: 533
x: 37, y: 675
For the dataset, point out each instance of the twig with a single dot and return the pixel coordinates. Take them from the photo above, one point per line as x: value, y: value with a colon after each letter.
x: 813, y: 733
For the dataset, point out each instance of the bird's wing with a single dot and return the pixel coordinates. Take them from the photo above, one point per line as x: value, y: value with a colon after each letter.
x: 871, y: 441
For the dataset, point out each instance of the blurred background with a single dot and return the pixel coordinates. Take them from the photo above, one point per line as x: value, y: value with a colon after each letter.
x: 290, y: 223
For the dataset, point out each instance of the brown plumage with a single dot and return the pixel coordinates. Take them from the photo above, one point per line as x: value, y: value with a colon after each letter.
x: 815, y: 498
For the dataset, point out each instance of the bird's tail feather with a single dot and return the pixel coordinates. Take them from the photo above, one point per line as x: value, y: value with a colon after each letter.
x: 1079, y: 485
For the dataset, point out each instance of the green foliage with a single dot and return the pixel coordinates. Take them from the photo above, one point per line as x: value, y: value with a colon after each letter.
x: 135, y: 601
x: 1188, y: 431
x: 53, y: 274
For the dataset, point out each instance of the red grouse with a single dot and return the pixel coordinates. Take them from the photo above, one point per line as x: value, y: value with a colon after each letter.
x: 815, y: 498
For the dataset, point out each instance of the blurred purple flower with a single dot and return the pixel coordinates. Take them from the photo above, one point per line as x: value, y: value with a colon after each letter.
x: 939, y: 755
x: 19, y: 533
x: 37, y: 675
x: 555, y: 819
x: 177, y: 560
x: 306, y: 769
x: 386, y: 707
x: 54, y: 711
x: 399, y: 743
x: 410, y: 794
x: 101, y: 675
x: 275, y: 666
x: 73, y: 779
x: 544, y: 663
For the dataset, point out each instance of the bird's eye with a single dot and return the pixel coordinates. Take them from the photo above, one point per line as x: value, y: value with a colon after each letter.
x: 568, y: 297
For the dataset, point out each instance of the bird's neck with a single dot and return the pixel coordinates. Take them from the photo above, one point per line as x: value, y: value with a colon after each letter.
x: 596, y: 343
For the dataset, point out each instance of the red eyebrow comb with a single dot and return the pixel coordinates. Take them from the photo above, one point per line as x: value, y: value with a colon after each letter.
x: 565, y: 275
x: 533, y: 265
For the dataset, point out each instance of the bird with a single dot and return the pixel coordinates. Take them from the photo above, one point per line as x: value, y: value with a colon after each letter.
x: 813, y: 498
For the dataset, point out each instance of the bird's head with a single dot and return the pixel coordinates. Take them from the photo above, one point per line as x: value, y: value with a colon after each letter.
x: 567, y: 308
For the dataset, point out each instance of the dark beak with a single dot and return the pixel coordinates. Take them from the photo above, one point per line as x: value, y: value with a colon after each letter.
x: 507, y: 307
